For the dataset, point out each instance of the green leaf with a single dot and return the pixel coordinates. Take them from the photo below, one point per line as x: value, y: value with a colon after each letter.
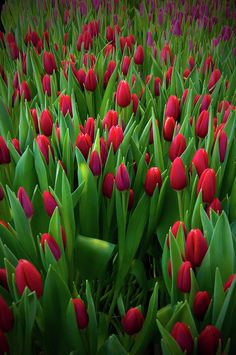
x: 112, y: 346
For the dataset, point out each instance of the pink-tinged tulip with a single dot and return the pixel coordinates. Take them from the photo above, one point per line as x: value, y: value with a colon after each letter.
x: 103, y: 151
x: 172, y: 107
x: 46, y: 123
x: 228, y: 283
x: 65, y: 105
x: 207, y: 183
x: 16, y: 144
x: 47, y: 84
x: 3, y: 278
x: 202, y: 124
x: 208, y: 64
x: 123, y: 95
x: 139, y: 55
x: 131, y: 199
x: 200, y: 304
x: 168, y: 128
x: 125, y: 65
x: 215, y: 205
x: 25, y: 90
x: 84, y: 143
x: 157, y: 84
x: 90, y: 127
x: 184, y: 96
x: 44, y: 146
x: 82, y: 317
x: 206, y: 101
x: 184, y: 278
x: 49, y: 62
x: 174, y: 230
x: 108, y: 184
x: 115, y: 137
x: 153, y: 179
x: 4, y: 349
x: 28, y: 276
x: 178, y: 178
x: 35, y: 119
x: 182, y: 335
x: 6, y: 316
x: 200, y: 161
x: 90, y: 82
x: 168, y: 76
x: 52, y: 244
x: 195, y: 247
x: 132, y: 321
x: 177, y: 147
x: 186, y: 73
x: 122, y: 178
x: 95, y: 163
x: 4, y: 152
x: 208, y: 340
x: 214, y: 78
x: 25, y: 202
x: 134, y: 99
x: 165, y: 53
x: 223, y: 142
x: 49, y: 203
x: 111, y: 119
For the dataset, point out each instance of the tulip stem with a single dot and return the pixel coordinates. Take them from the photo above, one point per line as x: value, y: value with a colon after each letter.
x: 180, y: 203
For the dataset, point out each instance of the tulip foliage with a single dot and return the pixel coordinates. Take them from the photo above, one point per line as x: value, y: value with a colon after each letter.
x: 117, y: 177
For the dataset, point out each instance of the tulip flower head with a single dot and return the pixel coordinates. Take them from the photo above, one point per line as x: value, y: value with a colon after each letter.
x: 182, y: 335
x: 82, y: 317
x: 132, y: 321
x: 28, y: 276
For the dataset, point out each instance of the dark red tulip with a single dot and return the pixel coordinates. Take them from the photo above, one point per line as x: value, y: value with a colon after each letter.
x: 208, y: 64
x: 49, y: 203
x: 174, y: 231
x: 206, y: 101
x: 135, y: 101
x: 200, y: 161
x: 47, y: 84
x: 49, y: 62
x: 4, y: 152
x: 90, y: 127
x: 25, y: 202
x: 115, y: 137
x: 172, y: 107
x: 89, y: 60
x: 208, y: 340
x: 3, y: 278
x: 196, y: 98
x: 103, y: 151
x: 191, y: 62
x: 153, y: 178
x: 223, y: 142
x: 4, y: 348
x: 202, y: 124
x: 168, y: 77
x: 25, y: 90
x: 177, y: 147
x: 178, y: 178
x: 215, y: 205
x: 207, y: 183
x: 168, y: 128
x: 228, y: 283
x: 107, y: 186
x: 184, y: 278
x: 82, y: 317
x: 65, y: 105
x: 52, y: 244
x: 46, y: 123
x: 122, y: 178
x: 95, y: 163
x: 110, y: 34
x: 111, y: 66
x: 182, y: 335
x: 132, y: 321
x: 84, y: 143
x: 165, y: 53
x: 14, y: 50
x: 186, y: 73
x: 214, y: 78
x: 223, y: 105
x: 90, y: 82
x: 44, y: 146
x: 16, y: 144
x: 201, y: 303
x: 184, y: 96
x: 28, y: 276
x: 125, y: 65
x: 123, y: 94
x: 6, y: 316
x: 157, y: 84
x: 195, y: 247
x: 139, y: 55
x: 80, y: 75
x: 111, y: 119
x: 35, y: 119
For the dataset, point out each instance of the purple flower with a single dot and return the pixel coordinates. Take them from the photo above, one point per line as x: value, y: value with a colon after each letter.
x: 149, y: 39
x: 160, y: 17
x: 141, y: 9
x: 176, y: 28
x: 83, y: 8
x: 96, y: 4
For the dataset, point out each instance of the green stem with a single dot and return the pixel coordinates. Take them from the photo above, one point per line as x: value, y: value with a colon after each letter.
x: 180, y: 203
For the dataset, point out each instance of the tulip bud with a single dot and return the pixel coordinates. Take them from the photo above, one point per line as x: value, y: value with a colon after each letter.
x: 206, y: 100
x: 202, y: 124
x: 89, y: 127
x: 215, y: 205
x: 115, y: 137
x: 223, y: 141
x: 200, y: 161
x: 65, y: 105
x: 16, y: 144
x: 3, y: 278
x: 125, y: 65
x: 107, y: 186
x: 184, y: 96
x: 191, y: 62
x: 82, y: 317
x: 28, y: 276
x: 90, y: 82
x: 208, y: 64
x: 157, y: 84
x: 201, y: 303
x: 49, y: 62
x: 215, y: 76
x: 195, y: 247
x: 174, y: 231
x: 168, y: 77
x: 184, y: 278
x: 47, y: 84
x: 95, y: 163
x: 4, y: 349
x: 46, y: 123
x: 172, y: 107
x: 35, y: 119
x: 24, y: 89
x: 4, y: 152
x: 208, y: 340
x: 177, y: 147
x: 84, y: 143
x: 110, y: 35
x: 111, y: 119
x: 168, y: 128
x: 123, y: 94
x: 53, y: 246
x: 132, y: 321
x: 49, y: 203
x: 228, y: 283
x: 182, y: 335
x: 178, y: 178
x: 25, y: 202
x: 134, y: 99
x: 139, y: 55
x: 153, y: 178
x: 14, y: 50
x: 103, y: 151
x: 122, y: 178
x: 207, y: 183
x: 44, y: 145
x: 165, y: 53
x: 6, y: 316
x: 80, y: 76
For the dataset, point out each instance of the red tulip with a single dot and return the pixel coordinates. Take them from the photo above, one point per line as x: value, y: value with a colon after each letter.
x: 25, y: 90
x: 184, y: 278
x: 47, y: 84
x: 178, y: 178
x: 172, y: 107
x: 195, y: 247
x: 14, y: 50
x: 125, y: 65
x: 89, y: 60
x: 165, y: 53
x: 52, y: 244
x: 223, y: 105
x: 4, y: 349
x: 49, y: 203
x: 3, y: 278
x: 28, y: 276
x: 184, y: 96
x: 82, y: 317
x: 207, y: 183
x: 16, y: 144
x: 208, y: 64
x: 191, y: 62
x: 168, y: 128
x: 107, y: 186
x: 134, y: 99
x: 44, y: 145
x: 139, y: 55
x: 201, y: 303
x: 25, y: 202
x: 90, y: 127
x: 46, y: 123
x: 202, y: 124
x: 157, y: 84
x: 49, y: 62
x: 103, y: 151
x: 115, y: 137
x: 177, y: 147
x: 208, y: 340
x: 182, y: 335
x: 35, y: 119
x: 84, y: 143
x: 200, y: 161
x: 95, y: 163
x: 111, y: 119
x: 174, y: 231
x: 153, y: 178
x: 80, y: 75
x: 123, y: 94
x: 228, y: 283
x: 65, y: 105
x: 206, y: 100
x: 215, y: 205
x: 214, y: 78
x: 223, y: 142
x: 122, y: 178
x: 110, y: 34
x: 90, y: 82
x: 4, y: 152
x: 132, y: 321
x: 6, y: 316
x: 168, y: 77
